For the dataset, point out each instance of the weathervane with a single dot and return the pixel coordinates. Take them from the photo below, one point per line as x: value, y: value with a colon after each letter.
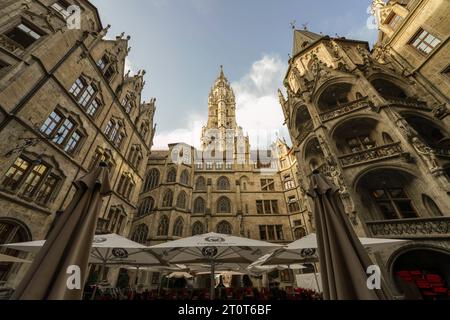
x: 305, y: 26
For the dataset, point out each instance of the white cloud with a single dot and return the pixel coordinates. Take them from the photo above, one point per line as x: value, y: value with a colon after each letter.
x: 129, y: 66
x: 258, y: 110
x: 190, y: 135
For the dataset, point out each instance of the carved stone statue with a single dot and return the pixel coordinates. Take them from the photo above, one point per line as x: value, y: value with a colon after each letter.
x: 427, y: 154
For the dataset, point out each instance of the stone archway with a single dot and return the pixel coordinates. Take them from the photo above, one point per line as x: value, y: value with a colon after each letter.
x: 422, y: 273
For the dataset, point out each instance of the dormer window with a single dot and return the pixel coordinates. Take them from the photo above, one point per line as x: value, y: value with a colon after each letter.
x: 107, y: 67
x: 127, y: 104
x: 115, y: 132
x: 86, y: 96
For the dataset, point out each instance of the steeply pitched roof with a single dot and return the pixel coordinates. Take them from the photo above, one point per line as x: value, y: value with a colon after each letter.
x: 302, y: 39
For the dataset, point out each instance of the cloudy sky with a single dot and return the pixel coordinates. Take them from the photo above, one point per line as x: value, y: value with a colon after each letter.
x: 182, y: 43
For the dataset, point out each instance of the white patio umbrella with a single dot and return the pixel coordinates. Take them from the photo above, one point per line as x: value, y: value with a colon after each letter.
x: 305, y: 251
x: 213, y: 248
x: 180, y: 275
x: 109, y: 249
x: 11, y: 259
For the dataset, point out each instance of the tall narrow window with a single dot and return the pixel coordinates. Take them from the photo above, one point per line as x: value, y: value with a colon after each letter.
x: 168, y: 199
x: 184, y: 178
x: 63, y: 132
x: 77, y: 87
x: 127, y: 104
x: 86, y: 96
x: 34, y: 179
x: 425, y: 42
x: 197, y: 228
x: 50, y: 125
x: 152, y: 180
x: 223, y: 184
x: 172, y: 175
x: 73, y: 142
x: 178, y: 228
x: 181, y: 200
x: 223, y: 205
x: 199, y: 205
x: 16, y: 173
x: 163, y: 227
x: 47, y: 189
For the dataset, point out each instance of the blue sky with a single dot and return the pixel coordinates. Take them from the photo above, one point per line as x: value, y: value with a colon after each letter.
x: 182, y: 43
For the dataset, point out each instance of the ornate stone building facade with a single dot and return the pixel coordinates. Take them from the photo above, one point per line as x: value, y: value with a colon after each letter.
x: 376, y: 123
x: 224, y: 187
x: 66, y: 104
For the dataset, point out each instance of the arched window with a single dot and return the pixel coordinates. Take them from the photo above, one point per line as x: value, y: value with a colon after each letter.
x: 184, y: 178
x: 168, y: 199
x: 152, y: 180
x: 223, y: 205
x: 431, y: 206
x: 299, y: 233
x: 146, y: 206
x: 197, y: 228
x: 178, y: 228
x: 223, y: 183
x: 224, y: 227
x: 140, y: 235
x: 163, y: 226
x: 199, y: 205
x: 200, y: 184
x: 172, y: 175
x: 181, y: 200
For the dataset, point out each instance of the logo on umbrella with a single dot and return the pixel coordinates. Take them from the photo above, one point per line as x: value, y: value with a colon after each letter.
x: 215, y: 239
x: 307, y: 253
x: 99, y: 240
x: 120, y: 253
x: 209, y: 252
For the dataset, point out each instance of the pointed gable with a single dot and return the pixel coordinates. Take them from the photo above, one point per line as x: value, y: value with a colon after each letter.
x: 303, y: 39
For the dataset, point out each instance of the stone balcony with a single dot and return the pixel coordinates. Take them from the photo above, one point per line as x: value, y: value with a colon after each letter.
x: 409, y: 103
x: 370, y: 155
x: 437, y: 227
x: 345, y: 109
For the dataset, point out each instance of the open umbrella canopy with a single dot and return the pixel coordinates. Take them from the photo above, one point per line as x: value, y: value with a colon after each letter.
x: 305, y: 250
x: 180, y: 275
x: 215, y: 247
x: 10, y: 259
x: 106, y: 249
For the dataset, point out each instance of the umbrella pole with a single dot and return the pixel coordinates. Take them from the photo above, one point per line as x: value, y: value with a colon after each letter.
x: 315, y: 277
x: 213, y: 281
